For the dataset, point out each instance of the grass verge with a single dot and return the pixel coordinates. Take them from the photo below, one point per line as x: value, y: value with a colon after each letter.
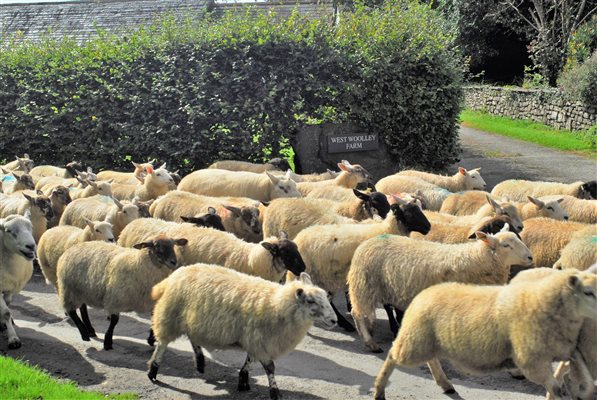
x: 529, y: 131
x: 19, y: 380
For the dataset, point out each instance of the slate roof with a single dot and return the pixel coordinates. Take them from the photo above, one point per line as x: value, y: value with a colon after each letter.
x: 83, y: 19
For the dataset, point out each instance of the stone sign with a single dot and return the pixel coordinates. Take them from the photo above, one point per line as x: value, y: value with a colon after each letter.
x: 352, y: 142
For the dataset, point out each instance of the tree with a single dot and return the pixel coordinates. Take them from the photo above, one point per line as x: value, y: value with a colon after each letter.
x: 551, y: 24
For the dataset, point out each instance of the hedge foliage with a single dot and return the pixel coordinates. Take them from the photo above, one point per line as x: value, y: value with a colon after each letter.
x: 580, y: 82
x: 239, y: 86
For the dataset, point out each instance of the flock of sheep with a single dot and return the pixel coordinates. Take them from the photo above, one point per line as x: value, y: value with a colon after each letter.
x: 264, y: 251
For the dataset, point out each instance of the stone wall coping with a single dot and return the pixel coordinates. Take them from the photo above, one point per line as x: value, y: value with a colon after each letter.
x: 512, y: 89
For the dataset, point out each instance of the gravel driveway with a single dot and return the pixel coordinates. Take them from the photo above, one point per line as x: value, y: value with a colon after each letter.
x: 326, y: 365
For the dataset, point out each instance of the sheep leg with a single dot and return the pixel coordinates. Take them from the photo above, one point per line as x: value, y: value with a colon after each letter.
x: 440, y: 376
x: 393, y: 323
x: 379, y: 390
x: 540, y: 372
x: 348, y: 303
x: 364, y: 333
x: 579, y: 381
x: 87, y: 321
x: 79, y: 324
x: 5, y: 318
x: 156, y: 360
x: 343, y: 322
x: 270, y: 368
x: 243, y: 376
x: 110, y: 332
x: 151, y: 337
x: 199, y: 358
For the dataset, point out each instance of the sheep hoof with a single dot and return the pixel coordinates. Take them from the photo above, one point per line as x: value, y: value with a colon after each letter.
x: 516, y: 375
x: 374, y: 348
x: 153, y: 372
x: 379, y: 397
x: 274, y: 393
x: 243, y: 387
x: 15, y: 344
x: 107, y: 346
x: 85, y: 338
x: 450, y: 391
x: 200, y: 364
x: 151, y: 341
x: 92, y: 334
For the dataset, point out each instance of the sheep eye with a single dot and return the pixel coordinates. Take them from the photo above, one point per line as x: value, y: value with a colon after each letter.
x: 125, y: 212
x: 310, y: 301
x: 506, y: 245
x: 550, y: 208
x: 474, y: 177
x: 590, y: 294
x: 97, y: 230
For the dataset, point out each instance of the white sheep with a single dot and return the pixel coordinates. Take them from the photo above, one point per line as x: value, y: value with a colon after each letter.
x: 466, y: 203
x: 80, y: 180
x: 217, y: 182
x: 115, y: 279
x: 350, y: 177
x: 270, y: 259
x: 581, y: 250
x: 480, y: 329
x: 546, y: 237
x: 14, y: 182
x: 324, y: 176
x: 454, y: 233
x: 432, y: 195
x: 275, y: 164
x: 218, y: 308
x: 578, y: 210
x: 129, y: 178
x: 56, y: 241
x: 518, y: 189
x: 328, y: 249
x: 100, y: 208
x: 240, y: 216
x: 294, y: 215
x: 39, y: 206
x: 17, y: 252
x: 24, y: 164
x: 157, y: 182
x: 462, y: 180
x: 392, y: 270
x: 93, y: 188
x: 542, y: 207
x: 68, y: 171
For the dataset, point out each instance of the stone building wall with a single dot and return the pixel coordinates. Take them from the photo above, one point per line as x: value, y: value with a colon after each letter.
x: 548, y: 106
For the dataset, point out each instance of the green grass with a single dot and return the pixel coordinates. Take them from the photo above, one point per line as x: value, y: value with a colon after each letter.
x: 527, y: 130
x: 18, y: 380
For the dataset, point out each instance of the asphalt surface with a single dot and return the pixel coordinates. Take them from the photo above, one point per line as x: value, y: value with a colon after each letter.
x: 325, y: 365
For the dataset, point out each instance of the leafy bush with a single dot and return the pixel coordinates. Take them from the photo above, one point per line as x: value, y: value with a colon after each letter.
x: 581, y: 82
x: 190, y: 92
x: 582, y: 43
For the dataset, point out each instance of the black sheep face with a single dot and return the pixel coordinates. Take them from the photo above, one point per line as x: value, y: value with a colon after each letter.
x: 286, y: 251
x: 588, y: 190
x: 412, y: 217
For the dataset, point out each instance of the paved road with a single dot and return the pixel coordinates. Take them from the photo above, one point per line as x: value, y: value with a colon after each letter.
x: 503, y: 158
x: 326, y: 365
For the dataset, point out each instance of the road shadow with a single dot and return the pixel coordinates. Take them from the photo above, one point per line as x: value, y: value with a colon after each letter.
x: 58, y: 358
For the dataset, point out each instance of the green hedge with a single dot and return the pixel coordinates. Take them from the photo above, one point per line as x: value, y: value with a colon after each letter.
x: 194, y: 91
x: 580, y: 82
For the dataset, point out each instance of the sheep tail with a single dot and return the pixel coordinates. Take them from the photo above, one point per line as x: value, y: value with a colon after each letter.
x: 158, y: 290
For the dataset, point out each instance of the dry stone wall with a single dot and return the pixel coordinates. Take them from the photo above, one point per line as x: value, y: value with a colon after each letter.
x: 548, y: 106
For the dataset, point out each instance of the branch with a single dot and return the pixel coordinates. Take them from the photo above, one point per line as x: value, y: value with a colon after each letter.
x: 511, y: 4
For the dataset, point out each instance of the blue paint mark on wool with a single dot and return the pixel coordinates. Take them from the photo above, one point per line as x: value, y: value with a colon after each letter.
x: 8, y: 178
x: 384, y: 236
x: 442, y: 191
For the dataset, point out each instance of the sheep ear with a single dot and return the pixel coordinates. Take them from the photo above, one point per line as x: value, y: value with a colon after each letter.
x: 40, y: 193
x: 283, y: 235
x: 181, y: 242
x: 265, y: 203
x: 89, y: 170
x: 288, y: 174
x: 505, y: 199
x: 306, y: 278
x: 560, y: 200
x: 300, y: 295
x: 211, y: 210
x: 163, y: 166
x: 487, y: 239
x: 92, y: 183
x: 143, y: 245
x: 343, y: 167
x: 271, y: 247
x: 398, y: 200
x: 135, y: 164
x: 506, y: 228
x: 272, y: 178
x: 234, y: 210
x: 361, y: 195
x: 574, y: 282
x: 26, y: 156
x: 89, y: 223
x: 118, y: 203
x: 28, y: 214
x: 536, y: 202
x: 110, y: 180
x: 462, y: 171
x: 496, y: 207
x: 28, y: 197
